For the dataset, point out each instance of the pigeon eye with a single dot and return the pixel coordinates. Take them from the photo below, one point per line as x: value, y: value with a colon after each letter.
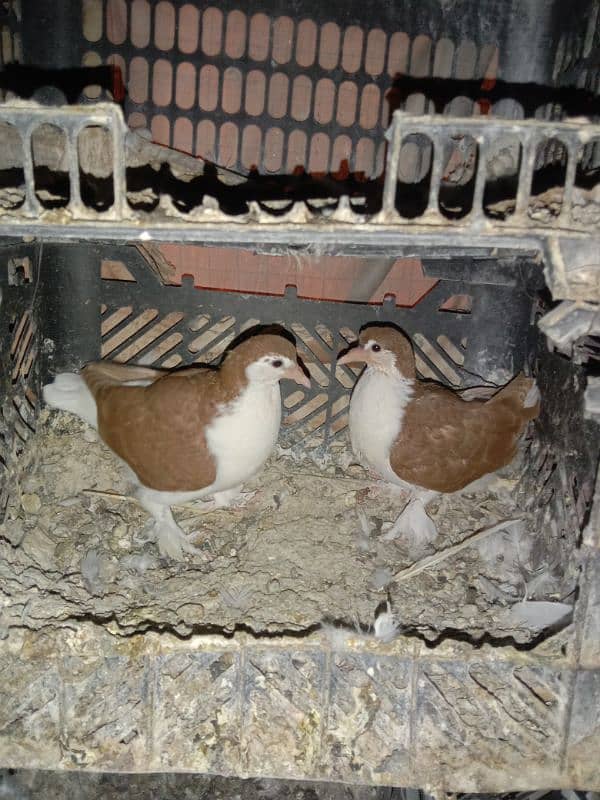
x: 277, y: 363
x: 376, y: 348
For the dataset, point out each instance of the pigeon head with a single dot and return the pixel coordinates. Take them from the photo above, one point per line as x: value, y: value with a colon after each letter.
x: 384, y: 348
x: 265, y: 358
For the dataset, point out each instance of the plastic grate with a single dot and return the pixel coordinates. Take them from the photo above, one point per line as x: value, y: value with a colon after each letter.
x: 145, y: 322
x: 254, y: 90
x: 20, y: 361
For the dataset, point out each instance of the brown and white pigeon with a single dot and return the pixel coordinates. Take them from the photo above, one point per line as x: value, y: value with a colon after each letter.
x: 422, y: 436
x: 190, y: 433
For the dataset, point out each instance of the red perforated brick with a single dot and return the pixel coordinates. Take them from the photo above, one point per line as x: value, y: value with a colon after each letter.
x: 346, y: 103
x: 375, y: 55
x: 91, y: 20
x: 228, y: 144
x: 115, y: 60
x: 369, y: 106
x: 116, y: 21
x: 318, y: 159
x: 91, y: 59
x: 385, y: 109
x: 487, y: 67
x: 162, y: 82
x: 380, y: 161
x: 6, y: 46
x: 258, y: 43
x: 325, y: 277
x: 324, y: 101
x: 273, y: 153
x: 301, y: 97
x: 365, y: 153
x: 188, y: 28
x: 255, y: 92
x: 136, y: 120
x: 415, y: 103
x: 235, y: 34
x: 164, y: 26
x: 232, y: 90
x: 460, y: 303
x: 205, y: 139
x: 296, y: 151
x: 251, y: 141
x: 208, y: 88
x: 420, y: 56
x: 140, y: 23
x: 283, y: 33
x: 183, y: 135
x: 160, y: 129
x: 18, y: 48
x: 398, y: 54
x: 341, y: 154
x: 212, y: 31
x: 352, y: 49
x: 278, y: 95
x: 329, y: 46
x: 466, y: 58
x: 185, y: 85
x: 306, y: 43
x: 138, y: 79
x: 407, y: 281
x: 444, y: 55
x: 460, y: 107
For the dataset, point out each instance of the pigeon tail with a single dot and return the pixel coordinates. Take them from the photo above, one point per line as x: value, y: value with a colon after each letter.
x: 523, y: 394
x: 69, y: 392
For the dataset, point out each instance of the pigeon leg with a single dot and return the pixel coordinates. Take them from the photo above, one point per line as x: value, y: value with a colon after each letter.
x: 171, y: 540
x: 380, y: 489
x: 226, y: 499
x: 233, y: 497
x: 414, y: 525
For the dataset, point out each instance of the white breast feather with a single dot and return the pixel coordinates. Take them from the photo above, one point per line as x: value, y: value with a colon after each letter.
x: 376, y: 413
x: 242, y: 438
x: 69, y: 392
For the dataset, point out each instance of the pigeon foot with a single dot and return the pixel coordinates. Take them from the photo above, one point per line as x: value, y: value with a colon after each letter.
x: 414, y: 526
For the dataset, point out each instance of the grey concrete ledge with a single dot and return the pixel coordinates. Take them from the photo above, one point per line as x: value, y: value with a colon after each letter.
x: 351, y: 709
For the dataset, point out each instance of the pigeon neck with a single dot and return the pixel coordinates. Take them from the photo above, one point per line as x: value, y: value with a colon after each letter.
x: 233, y: 375
x: 405, y: 364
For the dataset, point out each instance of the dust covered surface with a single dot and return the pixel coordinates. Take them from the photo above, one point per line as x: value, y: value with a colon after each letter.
x: 308, y: 547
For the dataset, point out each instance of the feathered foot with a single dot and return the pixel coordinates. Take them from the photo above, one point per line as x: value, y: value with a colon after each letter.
x: 230, y: 498
x: 234, y: 498
x: 414, y: 525
x: 171, y: 539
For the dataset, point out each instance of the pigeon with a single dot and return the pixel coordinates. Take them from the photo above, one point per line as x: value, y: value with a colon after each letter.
x: 189, y: 433
x: 423, y: 437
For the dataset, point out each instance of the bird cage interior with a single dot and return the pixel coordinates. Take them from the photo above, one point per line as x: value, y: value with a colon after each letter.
x: 309, y: 544
x: 174, y: 176
x: 310, y: 541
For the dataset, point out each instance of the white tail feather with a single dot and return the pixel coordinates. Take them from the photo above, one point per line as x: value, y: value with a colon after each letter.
x: 69, y: 392
x: 532, y: 397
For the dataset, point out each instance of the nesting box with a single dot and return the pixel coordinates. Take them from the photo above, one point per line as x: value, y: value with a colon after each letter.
x: 220, y: 167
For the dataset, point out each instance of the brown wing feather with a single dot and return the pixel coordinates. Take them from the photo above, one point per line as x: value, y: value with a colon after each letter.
x: 446, y: 443
x: 101, y: 372
x: 159, y: 430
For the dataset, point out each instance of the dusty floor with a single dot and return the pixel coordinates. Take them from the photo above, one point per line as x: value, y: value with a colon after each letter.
x: 308, y: 548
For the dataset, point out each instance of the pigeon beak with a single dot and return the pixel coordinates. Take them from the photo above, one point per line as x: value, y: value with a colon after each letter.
x: 296, y: 373
x: 355, y: 355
